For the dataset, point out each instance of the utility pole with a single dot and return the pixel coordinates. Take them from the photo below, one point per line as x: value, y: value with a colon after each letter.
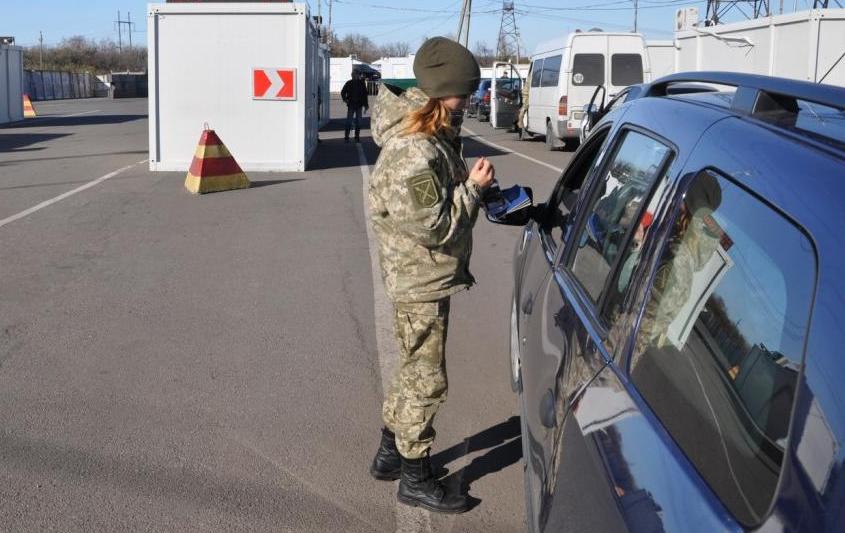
x: 508, y: 33
x: 40, y: 50
x: 635, y: 15
x: 330, y: 22
x: 120, y: 22
x: 119, y: 36
x: 463, y: 23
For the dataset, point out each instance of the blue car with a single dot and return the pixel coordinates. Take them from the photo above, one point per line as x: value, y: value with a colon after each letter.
x: 678, y: 315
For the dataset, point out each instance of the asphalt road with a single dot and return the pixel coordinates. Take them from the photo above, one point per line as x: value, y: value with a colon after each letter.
x: 170, y: 362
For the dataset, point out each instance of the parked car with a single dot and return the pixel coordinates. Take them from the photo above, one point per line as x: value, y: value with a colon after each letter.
x: 566, y: 71
x: 476, y: 97
x: 677, y: 315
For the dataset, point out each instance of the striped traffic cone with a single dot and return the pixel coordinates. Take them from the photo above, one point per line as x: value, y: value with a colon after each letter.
x: 28, y: 109
x: 213, y: 168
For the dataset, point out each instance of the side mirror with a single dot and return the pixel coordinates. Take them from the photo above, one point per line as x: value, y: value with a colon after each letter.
x: 592, y: 113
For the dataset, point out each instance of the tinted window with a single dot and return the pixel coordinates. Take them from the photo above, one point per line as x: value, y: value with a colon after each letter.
x: 559, y: 217
x: 536, y: 72
x: 626, y: 69
x: 721, y: 339
x: 551, y: 72
x: 588, y: 69
x: 820, y: 121
x: 623, y: 191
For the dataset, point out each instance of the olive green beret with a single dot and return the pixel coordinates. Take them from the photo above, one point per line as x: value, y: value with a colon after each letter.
x: 445, y: 68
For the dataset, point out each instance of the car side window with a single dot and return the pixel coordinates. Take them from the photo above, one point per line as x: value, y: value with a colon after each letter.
x: 551, y: 71
x: 536, y: 72
x: 721, y: 339
x: 560, y: 211
x: 620, y: 195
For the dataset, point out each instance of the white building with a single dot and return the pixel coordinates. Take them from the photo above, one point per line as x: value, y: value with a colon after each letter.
x: 341, y: 71
x: 393, y: 68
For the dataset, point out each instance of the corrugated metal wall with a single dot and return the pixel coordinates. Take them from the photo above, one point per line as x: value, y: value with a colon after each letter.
x: 55, y: 85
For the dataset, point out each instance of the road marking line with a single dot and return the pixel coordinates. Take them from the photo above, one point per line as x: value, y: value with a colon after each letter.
x: 408, y: 519
x: 481, y: 139
x: 59, y: 198
x: 74, y: 114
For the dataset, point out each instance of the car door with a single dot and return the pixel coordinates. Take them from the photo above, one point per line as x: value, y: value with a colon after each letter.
x: 613, y: 216
x: 686, y: 424
x: 505, y: 96
x: 535, y: 121
x: 626, y: 64
x: 540, y: 345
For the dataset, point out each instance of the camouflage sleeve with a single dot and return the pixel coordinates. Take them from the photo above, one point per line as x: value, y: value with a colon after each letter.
x: 420, y: 199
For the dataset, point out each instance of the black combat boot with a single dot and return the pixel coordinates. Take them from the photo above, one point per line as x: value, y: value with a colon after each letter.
x: 419, y: 488
x: 357, y: 136
x: 386, y: 464
x: 346, y: 136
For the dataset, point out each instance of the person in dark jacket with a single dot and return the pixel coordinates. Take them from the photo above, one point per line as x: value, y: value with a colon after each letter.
x: 354, y: 95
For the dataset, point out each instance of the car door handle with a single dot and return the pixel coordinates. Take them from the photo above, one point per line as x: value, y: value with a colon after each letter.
x: 547, y: 410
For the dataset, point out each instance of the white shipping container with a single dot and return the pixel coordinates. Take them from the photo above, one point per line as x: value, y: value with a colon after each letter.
x: 661, y: 58
x: 806, y: 45
x: 11, y: 83
x: 201, y: 70
x: 342, y: 71
x: 396, y: 68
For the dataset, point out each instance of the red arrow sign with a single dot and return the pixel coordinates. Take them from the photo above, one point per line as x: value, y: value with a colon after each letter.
x: 274, y: 83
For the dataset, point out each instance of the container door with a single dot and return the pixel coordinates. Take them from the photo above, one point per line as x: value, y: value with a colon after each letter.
x: 505, y: 96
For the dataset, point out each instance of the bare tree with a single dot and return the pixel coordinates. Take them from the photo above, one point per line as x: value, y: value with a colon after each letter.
x: 483, y: 53
x: 77, y: 53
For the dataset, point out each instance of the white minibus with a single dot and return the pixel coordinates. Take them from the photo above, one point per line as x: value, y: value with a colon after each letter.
x: 565, y: 72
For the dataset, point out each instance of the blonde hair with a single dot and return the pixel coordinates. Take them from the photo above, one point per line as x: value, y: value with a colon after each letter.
x: 431, y: 118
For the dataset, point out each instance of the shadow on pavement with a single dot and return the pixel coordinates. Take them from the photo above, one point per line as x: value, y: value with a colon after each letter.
x: 16, y: 141
x: 339, y: 124
x: 58, y: 158
x: 473, y: 148
x: 335, y: 153
x: 506, y: 443
x: 266, y: 183
x: 81, y: 120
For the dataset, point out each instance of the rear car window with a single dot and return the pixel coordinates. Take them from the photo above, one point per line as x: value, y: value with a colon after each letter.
x: 626, y: 69
x: 551, y: 72
x: 819, y: 121
x: 588, y: 69
x: 621, y: 195
x: 536, y: 72
x: 721, y: 338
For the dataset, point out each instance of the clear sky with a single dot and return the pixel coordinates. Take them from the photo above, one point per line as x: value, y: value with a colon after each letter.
x: 381, y: 20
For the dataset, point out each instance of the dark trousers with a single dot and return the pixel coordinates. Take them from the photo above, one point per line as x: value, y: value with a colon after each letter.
x: 353, y: 112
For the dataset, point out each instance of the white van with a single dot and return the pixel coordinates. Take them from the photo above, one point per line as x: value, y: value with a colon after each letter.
x: 565, y: 72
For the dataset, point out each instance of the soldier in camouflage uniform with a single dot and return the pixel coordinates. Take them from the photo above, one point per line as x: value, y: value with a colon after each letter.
x: 690, y: 247
x: 423, y: 203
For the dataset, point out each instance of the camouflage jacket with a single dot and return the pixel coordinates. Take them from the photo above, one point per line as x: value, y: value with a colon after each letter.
x: 421, y: 204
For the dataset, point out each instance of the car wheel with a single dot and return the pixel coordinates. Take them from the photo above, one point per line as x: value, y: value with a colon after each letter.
x: 516, y: 365
x: 550, y: 138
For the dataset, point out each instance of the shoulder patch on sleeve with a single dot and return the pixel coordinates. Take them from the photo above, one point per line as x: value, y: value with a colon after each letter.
x: 425, y: 190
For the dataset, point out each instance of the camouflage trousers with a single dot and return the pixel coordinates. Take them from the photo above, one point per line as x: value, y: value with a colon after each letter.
x: 419, y: 386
